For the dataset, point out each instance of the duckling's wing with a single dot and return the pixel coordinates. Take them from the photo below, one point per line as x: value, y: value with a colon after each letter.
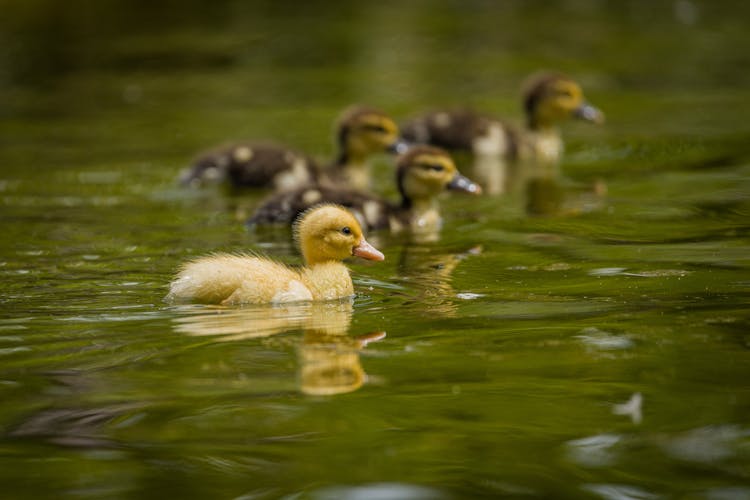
x: 453, y: 129
x: 230, y: 278
x: 284, y: 207
x: 269, y: 166
x: 209, y: 279
x: 279, y: 208
x: 247, y: 164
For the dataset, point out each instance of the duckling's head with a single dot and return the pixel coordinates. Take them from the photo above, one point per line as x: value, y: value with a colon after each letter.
x: 330, y: 232
x: 551, y: 98
x: 365, y: 131
x: 426, y: 171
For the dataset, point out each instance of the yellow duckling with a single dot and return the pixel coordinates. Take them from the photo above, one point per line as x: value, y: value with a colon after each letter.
x: 326, y: 234
x: 422, y: 174
x: 549, y: 99
x: 361, y: 132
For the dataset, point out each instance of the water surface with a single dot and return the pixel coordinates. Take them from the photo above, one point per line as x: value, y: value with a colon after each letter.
x: 591, y: 346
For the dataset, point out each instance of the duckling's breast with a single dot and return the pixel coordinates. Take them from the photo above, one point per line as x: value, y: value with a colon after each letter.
x: 328, y: 281
x: 493, y: 141
x: 543, y: 147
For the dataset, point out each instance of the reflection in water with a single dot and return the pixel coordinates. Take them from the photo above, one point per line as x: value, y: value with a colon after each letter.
x: 547, y: 193
x: 538, y: 181
x: 711, y: 445
x: 328, y: 356
x: 76, y: 427
x: 544, y: 195
x: 72, y: 422
x: 494, y: 173
x: 620, y: 491
x: 540, y: 184
x: 256, y: 321
x: 329, y: 363
x: 379, y: 490
x: 432, y: 274
x: 595, y: 451
x: 631, y: 408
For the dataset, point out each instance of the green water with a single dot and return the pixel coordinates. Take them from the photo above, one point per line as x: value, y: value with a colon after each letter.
x: 510, y: 345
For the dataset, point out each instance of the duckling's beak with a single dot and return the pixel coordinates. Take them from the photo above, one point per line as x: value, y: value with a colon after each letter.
x: 367, y: 251
x: 461, y: 183
x: 399, y: 147
x: 589, y: 113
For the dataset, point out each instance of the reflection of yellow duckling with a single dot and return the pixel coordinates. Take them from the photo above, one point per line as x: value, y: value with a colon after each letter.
x: 361, y: 133
x: 242, y: 323
x: 422, y: 174
x: 549, y: 99
x: 327, y: 234
x: 328, y: 356
x: 330, y: 364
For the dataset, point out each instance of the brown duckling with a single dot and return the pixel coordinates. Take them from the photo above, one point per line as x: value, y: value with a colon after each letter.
x: 549, y: 99
x: 421, y: 175
x: 326, y: 234
x: 360, y: 133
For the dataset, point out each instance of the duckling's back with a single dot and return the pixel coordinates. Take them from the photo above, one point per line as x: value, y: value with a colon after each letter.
x: 285, y: 206
x: 235, y: 279
x: 252, y: 165
x: 461, y: 130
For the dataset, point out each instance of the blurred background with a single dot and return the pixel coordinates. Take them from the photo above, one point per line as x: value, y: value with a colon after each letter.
x: 173, y: 77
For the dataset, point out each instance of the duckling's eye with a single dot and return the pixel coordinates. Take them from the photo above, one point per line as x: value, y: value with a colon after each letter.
x: 346, y: 230
x: 565, y: 93
x: 435, y: 167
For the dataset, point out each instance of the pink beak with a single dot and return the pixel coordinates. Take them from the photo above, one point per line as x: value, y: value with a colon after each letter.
x: 367, y: 251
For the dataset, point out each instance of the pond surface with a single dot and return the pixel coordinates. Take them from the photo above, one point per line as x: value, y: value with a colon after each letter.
x: 598, y: 349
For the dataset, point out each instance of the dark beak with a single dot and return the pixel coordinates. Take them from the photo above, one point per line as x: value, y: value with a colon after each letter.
x: 589, y: 113
x: 461, y: 183
x: 399, y: 147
